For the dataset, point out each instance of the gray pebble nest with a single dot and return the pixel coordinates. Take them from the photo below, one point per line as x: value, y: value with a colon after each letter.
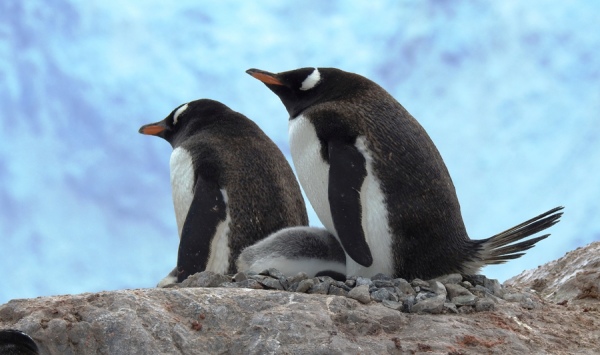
x: 453, y: 293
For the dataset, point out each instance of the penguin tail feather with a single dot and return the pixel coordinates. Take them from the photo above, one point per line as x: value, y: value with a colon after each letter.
x: 501, y: 247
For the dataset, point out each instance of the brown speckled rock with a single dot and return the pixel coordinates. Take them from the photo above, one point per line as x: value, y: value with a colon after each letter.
x: 231, y: 320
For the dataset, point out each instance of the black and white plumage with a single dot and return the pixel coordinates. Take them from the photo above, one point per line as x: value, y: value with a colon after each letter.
x: 311, y: 250
x: 377, y: 181
x: 231, y: 186
x: 16, y: 342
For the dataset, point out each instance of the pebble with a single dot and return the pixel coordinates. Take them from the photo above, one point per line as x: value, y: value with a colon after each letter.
x: 381, y: 294
x: 321, y: 288
x: 337, y: 291
x: 455, y: 290
x: 271, y: 283
x: 452, y: 293
x: 433, y: 305
x: 360, y: 293
x: 450, y: 307
x: 393, y: 304
x: 466, y: 300
x: 363, y: 281
x: 305, y: 285
x: 239, y: 277
x: 484, y: 305
x: 450, y: 279
x: 205, y: 279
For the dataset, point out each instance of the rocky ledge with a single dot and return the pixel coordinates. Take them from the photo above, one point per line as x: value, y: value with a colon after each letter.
x: 322, y: 316
x: 452, y: 293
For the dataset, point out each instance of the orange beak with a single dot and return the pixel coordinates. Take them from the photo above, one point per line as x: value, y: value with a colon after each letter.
x: 152, y: 129
x: 265, y: 77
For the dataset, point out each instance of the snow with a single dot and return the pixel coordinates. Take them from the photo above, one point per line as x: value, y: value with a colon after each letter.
x: 509, y: 91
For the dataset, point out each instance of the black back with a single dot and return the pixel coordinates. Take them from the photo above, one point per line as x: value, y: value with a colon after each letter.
x: 233, y: 153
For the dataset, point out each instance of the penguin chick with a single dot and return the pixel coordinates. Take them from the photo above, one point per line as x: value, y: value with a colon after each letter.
x: 313, y: 251
x: 231, y: 186
x: 378, y: 183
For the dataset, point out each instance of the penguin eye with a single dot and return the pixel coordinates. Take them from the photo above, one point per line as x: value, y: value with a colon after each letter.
x: 178, y: 113
x: 311, y: 81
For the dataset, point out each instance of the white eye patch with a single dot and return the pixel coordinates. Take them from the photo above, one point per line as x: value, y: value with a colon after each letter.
x: 311, y: 81
x: 179, y: 112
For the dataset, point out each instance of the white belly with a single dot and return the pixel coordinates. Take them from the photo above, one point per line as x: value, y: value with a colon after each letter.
x: 182, y: 184
x: 313, y: 173
x: 312, y: 170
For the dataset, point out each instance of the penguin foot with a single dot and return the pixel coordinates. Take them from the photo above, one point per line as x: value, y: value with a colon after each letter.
x: 170, y: 279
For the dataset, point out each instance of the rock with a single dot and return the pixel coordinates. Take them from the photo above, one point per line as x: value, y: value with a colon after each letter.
x: 484, y: 305
x: 381, y: 294
x: 408, y: 302
x: 516, y: 297
x: 249, y: 283
x: 271, y: 283
x: 239, y: 277
x: 466, y: 310
x: 341, y: 285
x: 437, y: 288
x: 466, y: 300
x: 320, y: 288
x: 529, y: 303
x: 360, y: 293
x: 466, y: 284
x: 574, y: 278
x: 450, y: 279
x: 494, y: 287
x: 381, y: 277
x: 419, y: 283
x: 239, y: 320
x: 421, y: 296
x: 455, y: 290
x: 450, y: 307
x: 363, y: 281
x: 433, y: 305
x: 305, y: 285
x: 383, y: 283
x: 404, y: 287
x: 273, y: 273
x: 392, y: 304
x: 205, y: 279
x: 297, y: 278
x: 337, y: 291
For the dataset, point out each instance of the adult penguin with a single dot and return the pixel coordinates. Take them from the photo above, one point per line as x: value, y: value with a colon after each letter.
x: 377, y: 181
x: 231, y: 186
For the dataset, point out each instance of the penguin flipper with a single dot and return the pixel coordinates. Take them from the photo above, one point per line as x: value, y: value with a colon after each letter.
x: 207, y: 210
x: 347, y: 172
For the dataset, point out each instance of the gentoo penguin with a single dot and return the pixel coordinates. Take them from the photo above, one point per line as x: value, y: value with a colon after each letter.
x: 15, y: 342
x: 377, y: 181
x: 231, y: 186
x: 311, y: 250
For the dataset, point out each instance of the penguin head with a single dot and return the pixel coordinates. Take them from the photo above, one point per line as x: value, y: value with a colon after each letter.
x: 187, y: 119
x: 301, y: 88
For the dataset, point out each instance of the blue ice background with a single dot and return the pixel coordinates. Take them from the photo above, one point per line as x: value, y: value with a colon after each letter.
x: 508, y: 90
